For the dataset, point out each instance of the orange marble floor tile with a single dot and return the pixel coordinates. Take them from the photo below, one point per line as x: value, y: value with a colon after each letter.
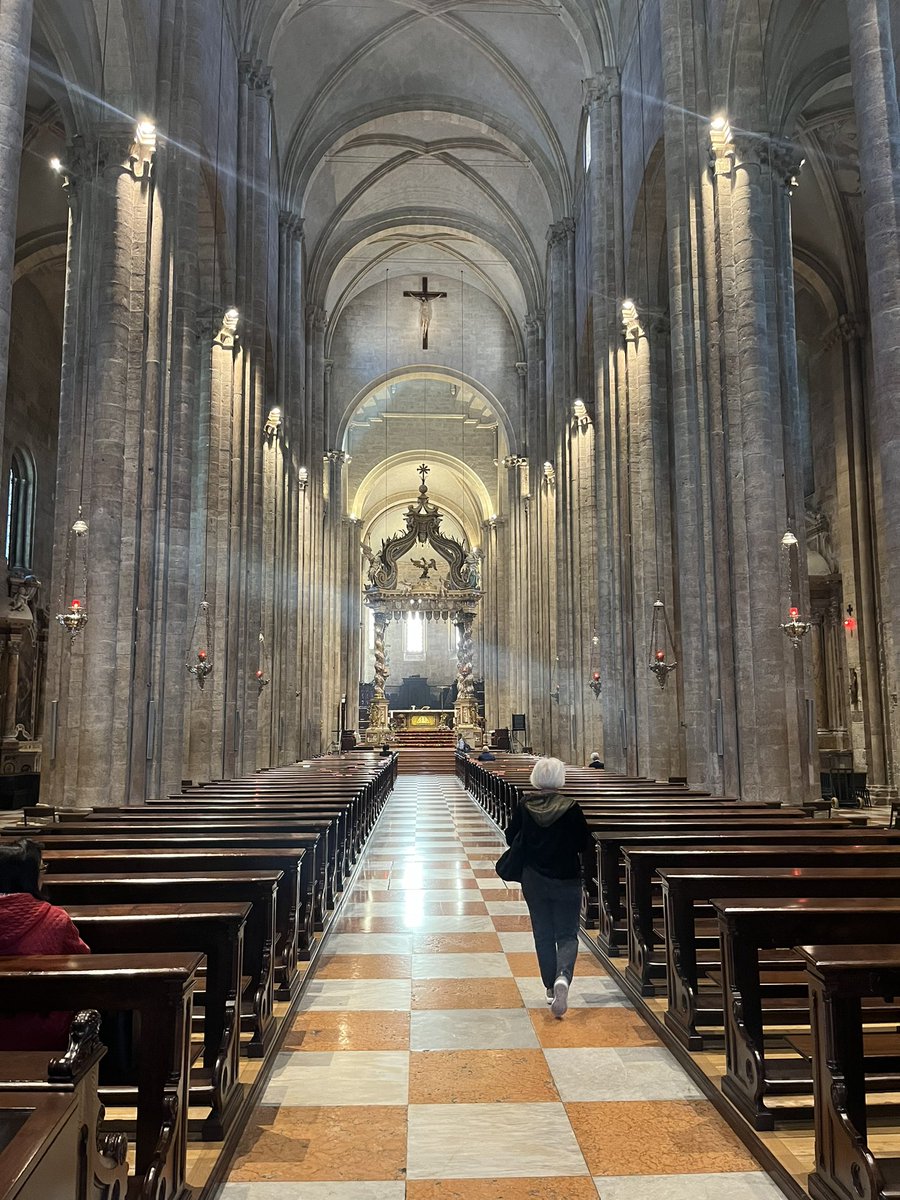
x: 465, y: 993
x: 364, y: 966
x: 592, y: 1027
x: 499, y: 894
x: 561, y: 1188
x: 480, y: 1077
x: 456, y: 943
x: 656, y: 1137
x: 296, y: 1144
x: 484, y: 873
x: 513, y: 924
x: 326, y: 1032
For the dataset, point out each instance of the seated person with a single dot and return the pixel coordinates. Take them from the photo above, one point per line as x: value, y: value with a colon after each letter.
x: 596, y: 761
x: 385, y: 751
x: 486, y: 756
x: 29, y: 924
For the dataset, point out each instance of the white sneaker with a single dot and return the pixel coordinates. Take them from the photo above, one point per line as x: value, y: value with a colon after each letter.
x: 560, y: 997
x: 549, y: 995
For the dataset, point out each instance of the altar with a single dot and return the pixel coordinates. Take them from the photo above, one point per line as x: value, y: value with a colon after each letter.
x: 417, y: 720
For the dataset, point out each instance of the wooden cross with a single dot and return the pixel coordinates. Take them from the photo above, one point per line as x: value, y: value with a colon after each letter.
x: 425, y: 297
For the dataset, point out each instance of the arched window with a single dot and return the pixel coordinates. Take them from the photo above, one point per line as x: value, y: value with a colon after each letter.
x: 20, y: 512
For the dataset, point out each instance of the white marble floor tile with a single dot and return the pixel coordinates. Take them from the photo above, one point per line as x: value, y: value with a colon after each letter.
x: 591, y: 991
x: 370, y: 943
x: 364, y: 1190
x: 507, y: 908
x: 347, y: 1077
x: 516, y: 943
x: 460, y: 966
x: 737, y: 1186
x: 450, y: 924
x: 358, y: 995
x: 471, y: 1029
x: 483, y: 1141
x: 633, y: 1073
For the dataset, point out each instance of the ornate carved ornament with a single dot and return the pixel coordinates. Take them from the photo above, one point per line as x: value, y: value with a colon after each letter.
x: 423, y: 527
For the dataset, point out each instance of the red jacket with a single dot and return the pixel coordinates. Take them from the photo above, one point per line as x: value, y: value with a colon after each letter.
x: 29, y: 926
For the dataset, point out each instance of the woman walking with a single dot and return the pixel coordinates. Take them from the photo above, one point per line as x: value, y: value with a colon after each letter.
x: 554, y: 835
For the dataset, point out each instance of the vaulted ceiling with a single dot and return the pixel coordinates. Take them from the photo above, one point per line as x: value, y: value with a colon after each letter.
x: 438, y: 136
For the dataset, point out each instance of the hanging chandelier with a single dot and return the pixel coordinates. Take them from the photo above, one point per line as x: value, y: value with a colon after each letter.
x: 661, y: 643
x: 794, y: 628
x: 73, y: 617
x: 201, y: 665
x: 595, y: 683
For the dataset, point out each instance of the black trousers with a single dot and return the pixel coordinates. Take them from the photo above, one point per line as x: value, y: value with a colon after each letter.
x: 555, y: 909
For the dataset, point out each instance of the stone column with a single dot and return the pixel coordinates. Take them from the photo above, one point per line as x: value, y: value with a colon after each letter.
x: 705, y: 676
x: 757, y: 506
x: 878, y: 128
x: 561, y: 337
x: 15, y: 51
x: 602, y: 100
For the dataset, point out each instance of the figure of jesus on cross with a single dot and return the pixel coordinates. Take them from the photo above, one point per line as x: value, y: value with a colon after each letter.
x: 425, y: 311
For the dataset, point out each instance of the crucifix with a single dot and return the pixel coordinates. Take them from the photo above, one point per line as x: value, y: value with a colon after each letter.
x: 425, y: 298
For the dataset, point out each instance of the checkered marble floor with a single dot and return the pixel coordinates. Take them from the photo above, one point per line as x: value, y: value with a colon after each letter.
x: 424, y: 1064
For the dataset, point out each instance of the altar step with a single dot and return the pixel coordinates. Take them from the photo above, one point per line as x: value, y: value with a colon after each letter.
x: 424, y: 737
x: 418, y: 760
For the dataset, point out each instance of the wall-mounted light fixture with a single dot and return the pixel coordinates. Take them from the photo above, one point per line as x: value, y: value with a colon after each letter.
x: 272, y: 427
x: 549, y: 472
x: 582, y: 416
x: 145, y: 135
x: 303, y: 478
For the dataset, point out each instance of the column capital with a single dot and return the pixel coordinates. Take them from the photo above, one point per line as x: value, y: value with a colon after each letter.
x: 338, y: 456
x: 521, y: 369
x: 852, y: 326
x: 316, y: 318
x: 534, y: 320
x: 291, y: 223
x: 560, y: 231
x: 514, y: 460
x: 328, y: 364
x: 256, y: 75
x: 600, y: 88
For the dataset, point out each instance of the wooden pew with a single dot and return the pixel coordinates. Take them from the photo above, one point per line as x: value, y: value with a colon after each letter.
x: 642, y: 864
x: 160, y: 988
x: 73, y: 1158
x: 745, y: 928
x: 610, y: 861
x: 217, y: 932
x: 308, y: 846
x: 839, y: 978
x: 256, y: 888
x: 293, y: 936
x: 685, y: 889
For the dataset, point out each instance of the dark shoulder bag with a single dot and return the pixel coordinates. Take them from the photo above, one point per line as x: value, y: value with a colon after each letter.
x: 510, y: 864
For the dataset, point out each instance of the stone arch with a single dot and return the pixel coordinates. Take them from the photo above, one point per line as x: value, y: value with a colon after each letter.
x: 442, y: 374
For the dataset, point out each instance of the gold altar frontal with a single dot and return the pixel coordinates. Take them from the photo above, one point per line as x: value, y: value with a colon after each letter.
x: 419, y: 720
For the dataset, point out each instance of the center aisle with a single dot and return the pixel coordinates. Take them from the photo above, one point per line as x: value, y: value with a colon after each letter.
x: 424, y: 1064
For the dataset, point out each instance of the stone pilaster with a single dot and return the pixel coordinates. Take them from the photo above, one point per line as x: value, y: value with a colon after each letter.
x: 878, y: 126
x: 15, y: 43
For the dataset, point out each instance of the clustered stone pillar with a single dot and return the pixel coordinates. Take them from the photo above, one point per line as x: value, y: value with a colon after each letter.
x: 602, y: 101
x: 878, y: 128
x: 15, y: 36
